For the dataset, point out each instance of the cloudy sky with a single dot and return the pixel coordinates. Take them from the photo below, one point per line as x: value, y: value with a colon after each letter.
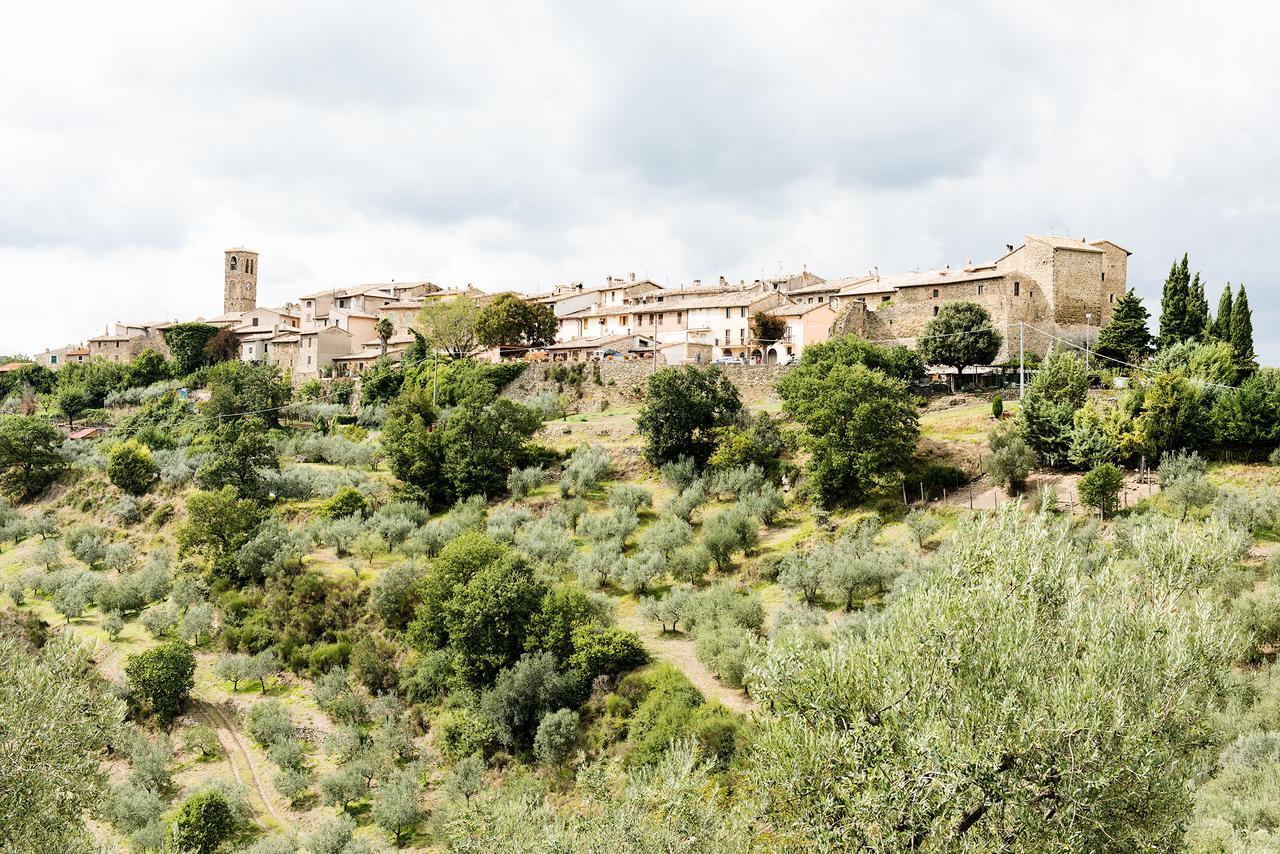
x: 518, y: 145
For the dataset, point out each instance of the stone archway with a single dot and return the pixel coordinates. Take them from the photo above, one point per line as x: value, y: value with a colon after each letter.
x: 773, y: 355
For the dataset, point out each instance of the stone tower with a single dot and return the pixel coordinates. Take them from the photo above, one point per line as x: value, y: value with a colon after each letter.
x: 241, y: 291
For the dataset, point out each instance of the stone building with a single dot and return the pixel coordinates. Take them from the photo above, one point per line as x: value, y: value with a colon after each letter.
x: 240, y: 291
x: 1060, y: 286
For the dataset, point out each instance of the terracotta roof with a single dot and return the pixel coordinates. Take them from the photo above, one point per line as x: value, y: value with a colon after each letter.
x: 12, y: 366
x: 721, y: 300
x: 1110, y: 243
x: 820, y: 288
x: 85, y: 433
x: 105, y: 338
x: 860, y: 287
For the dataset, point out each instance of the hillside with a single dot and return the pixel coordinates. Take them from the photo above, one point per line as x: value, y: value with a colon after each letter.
x: 605, y: 652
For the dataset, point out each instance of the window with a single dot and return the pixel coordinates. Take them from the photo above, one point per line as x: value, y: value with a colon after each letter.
x: 935, y: 293
x: 1111, y: 298
x: 233, y: 263
x: 935, y: 311
x: 53, y: 360
x: 742, y: 336
x: 250, y: 349
x: 726, y: 311
x: 822, y: 299
x: 1017, y: 288
x: 255, y: 322
x: 726, y: 336
x: 742, y: 312
x: 981, y: 289
x: 1104, y: 275
x: 308, y: 360
x: 679, y: 316
x: 885, y: 298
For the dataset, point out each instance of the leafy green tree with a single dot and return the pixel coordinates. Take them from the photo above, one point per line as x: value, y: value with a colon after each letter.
x: 959, y: 335
x: 1126, y: 338
x: 900, y: 362
x: 345, y: 502
x: 204, y: 822
x: 147, y: 368
x: 1183, y: 482
x: 343, y: 787
x: 861, y: 426
x: 1047, y: 414
x: 218, y: 526
x: 515, y: 322
x: 1221, y: 328
x: 1091, y: 442
x: 131, y: 467
x: 448, y: 325
x: 394, y: 594
x: 161, y: 678
x: 58, y: 718
x: 1173, y: 417
x: 187, y: 341
x: 767, y: 329
x: 30, y: 457
x: 1010, y: 461
x: 1173, y: 304
x: 487, y: 619
x: 682, y: 409
x: 241, y: 452
x: 600, y: 650
x: 1197, y: 311
x: 71, y: 401
x: 482, y: 441
x: 1100, y: 488
x: 1242, y: 335
x: 247, y: 390
x: 842, y: 761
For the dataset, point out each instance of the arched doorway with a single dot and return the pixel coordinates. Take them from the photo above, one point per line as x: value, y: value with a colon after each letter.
x: 773, y: 356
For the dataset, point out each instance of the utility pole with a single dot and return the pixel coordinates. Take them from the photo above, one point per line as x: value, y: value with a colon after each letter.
x: 1022, y: 371
x: 1088, y: 326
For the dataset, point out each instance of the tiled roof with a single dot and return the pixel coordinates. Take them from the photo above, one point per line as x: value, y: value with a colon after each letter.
x: 596, y: 342
x: 796, y: 309
x: 105, y: 338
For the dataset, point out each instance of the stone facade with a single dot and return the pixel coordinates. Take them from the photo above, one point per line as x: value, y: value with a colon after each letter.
x: 629, y: 378
x: 1065, y: 287
x: 240, y: 290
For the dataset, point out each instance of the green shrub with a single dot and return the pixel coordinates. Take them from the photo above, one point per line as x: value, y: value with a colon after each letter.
x: 345, y: 502
x: 607, y: 651
x: 1100, y: 488
x: 131, y: 467
x: 204, y: 822
x: 463, y: 732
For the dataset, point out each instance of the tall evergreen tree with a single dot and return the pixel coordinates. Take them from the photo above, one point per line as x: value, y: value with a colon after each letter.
x: 1126, y: 337
x: 1197, y: 323
x: 1242, y: 335
x: 1222, y: 323
x: 1173, y: 304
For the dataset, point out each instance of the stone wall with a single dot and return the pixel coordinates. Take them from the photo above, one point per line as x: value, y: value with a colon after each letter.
x: 622, y: 383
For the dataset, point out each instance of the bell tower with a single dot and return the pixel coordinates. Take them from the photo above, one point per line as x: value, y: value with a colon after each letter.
x: 240, y: 267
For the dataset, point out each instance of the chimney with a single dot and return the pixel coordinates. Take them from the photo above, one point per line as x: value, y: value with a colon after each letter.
x: 697, y: 283
x: 1008, y: 247
x: 633, y: 276
x: 724, y: 283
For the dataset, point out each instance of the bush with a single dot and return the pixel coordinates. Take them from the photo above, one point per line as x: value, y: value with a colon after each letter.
x: 1257, y: 613
x: 269, y: 723
x: 1010, y: 460
x: 463, y: 732
x: 204, y: 822
x: 345, y: 502
x: 525, y: 692
x: 606, y: 651
x: 131, y: 467
x: 629, y: 496
x: 162, y: 677
x: 1183, y: 482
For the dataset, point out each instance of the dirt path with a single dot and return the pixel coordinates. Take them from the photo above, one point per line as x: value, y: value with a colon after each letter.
x: 679, y: 652
x: 238, y: 754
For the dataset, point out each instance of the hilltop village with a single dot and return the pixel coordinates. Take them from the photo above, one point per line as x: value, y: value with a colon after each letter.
x: 1045, y: 287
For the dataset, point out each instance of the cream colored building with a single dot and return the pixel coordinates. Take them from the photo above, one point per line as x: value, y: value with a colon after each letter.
x: 318, y: 347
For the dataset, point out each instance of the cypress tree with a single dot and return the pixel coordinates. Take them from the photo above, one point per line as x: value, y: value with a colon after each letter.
x: 1173, y: 304
x: 1222, y: 323
x: 1242, y: 335
x: 1197, y: 323
x: 1126, y: 337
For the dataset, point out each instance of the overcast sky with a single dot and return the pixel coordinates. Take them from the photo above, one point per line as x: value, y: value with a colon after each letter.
x: 521, y: 145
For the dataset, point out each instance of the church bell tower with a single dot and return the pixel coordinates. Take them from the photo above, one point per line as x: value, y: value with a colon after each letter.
x: 241, y: 275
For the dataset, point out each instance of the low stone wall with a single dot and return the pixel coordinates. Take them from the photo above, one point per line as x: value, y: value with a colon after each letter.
x: 622, y: 383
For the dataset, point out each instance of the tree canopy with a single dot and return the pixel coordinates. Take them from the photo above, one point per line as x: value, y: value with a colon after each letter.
x: 1173, y: 304
x: 682, y: 409
x: 448, y: 324
x: 29, y: 456
x: 959, y: 335
x: 512, y: 321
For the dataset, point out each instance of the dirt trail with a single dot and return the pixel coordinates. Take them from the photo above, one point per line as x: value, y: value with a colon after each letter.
x: 679, y: 652
x: 238, y: 754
